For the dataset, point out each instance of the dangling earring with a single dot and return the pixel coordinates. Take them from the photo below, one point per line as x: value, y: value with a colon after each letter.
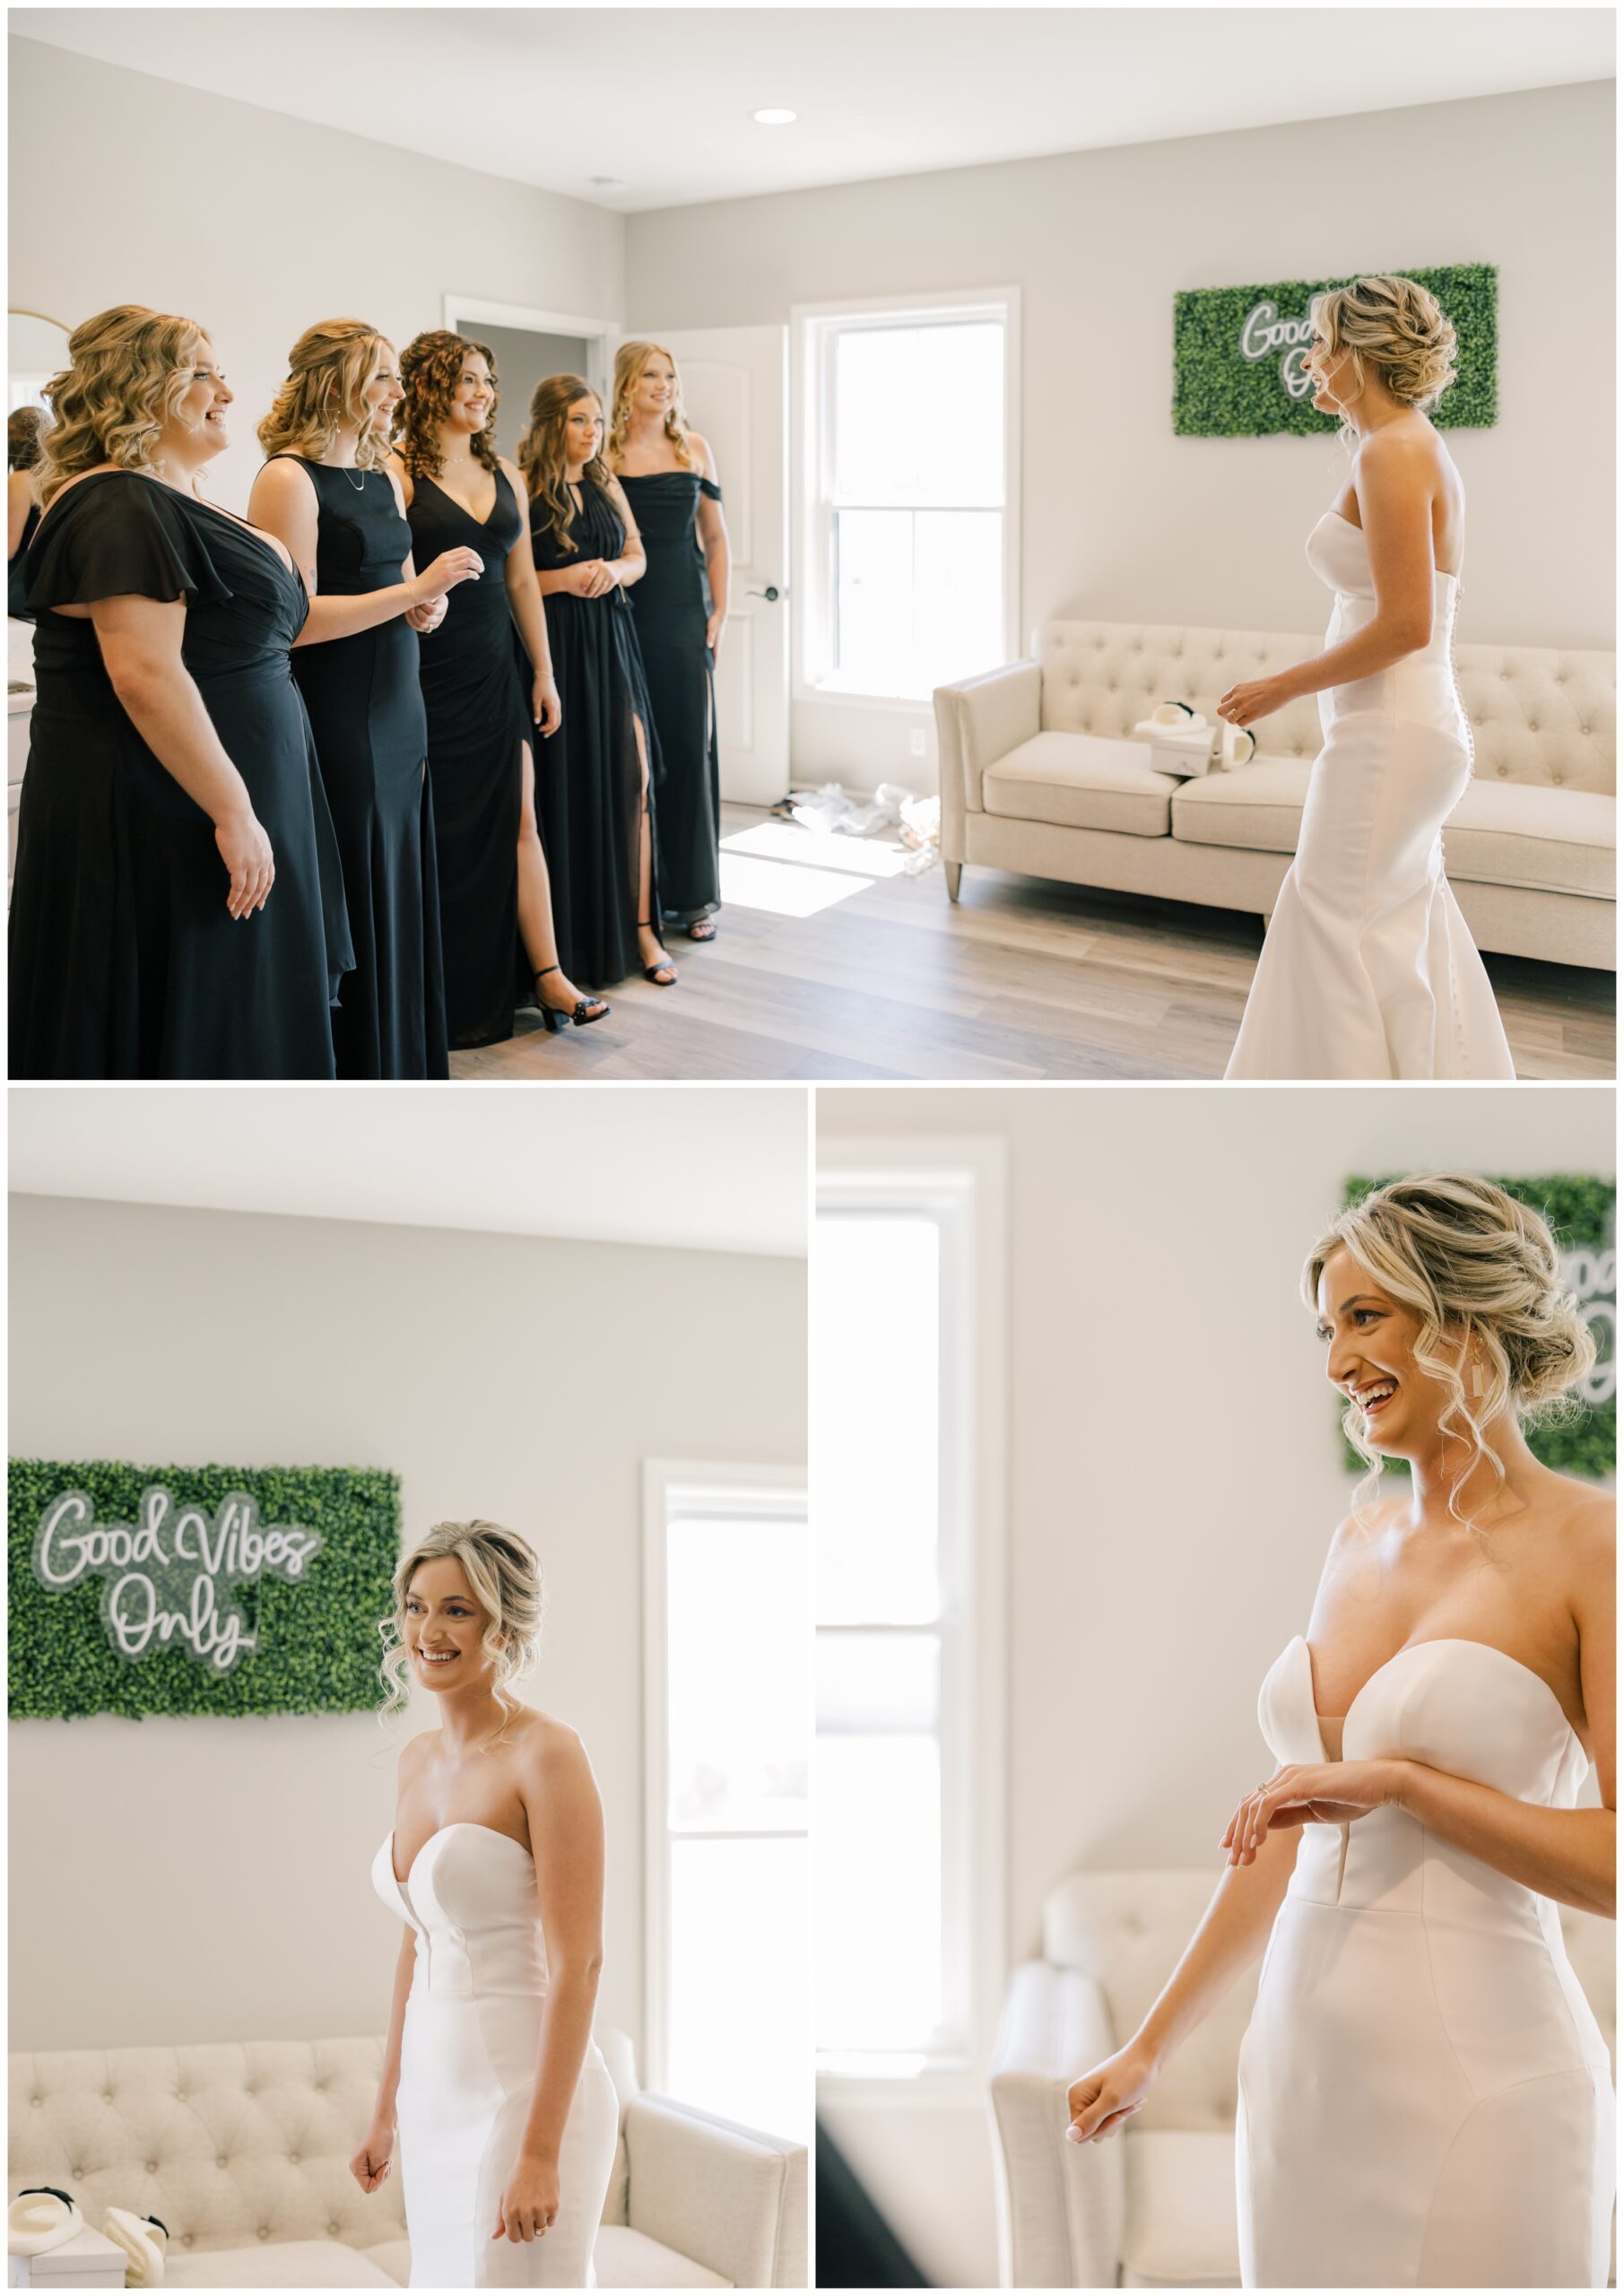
x: 1477, y: 1374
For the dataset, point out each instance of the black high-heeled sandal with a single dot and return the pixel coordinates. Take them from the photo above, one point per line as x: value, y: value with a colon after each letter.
x: 665, y: 974
x: 558, y: 1016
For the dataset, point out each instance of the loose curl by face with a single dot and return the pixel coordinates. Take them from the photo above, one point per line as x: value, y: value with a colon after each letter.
x: 543, y: 455
x: 1393, y: 328
x: 129, y: 368
x: 1481, y: 1273
x: 506, y: 1580
x: 22, y: 430
x: 330, y: 369
x: 629, y: 361
x: 431, y: 369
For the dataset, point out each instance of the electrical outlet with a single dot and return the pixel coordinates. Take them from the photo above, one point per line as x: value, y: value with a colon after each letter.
x: 915, y: 741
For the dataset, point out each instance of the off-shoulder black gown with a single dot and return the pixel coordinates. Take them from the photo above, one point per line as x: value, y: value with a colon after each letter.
x: 671, y: 605
x: 478, y: 725
x: 588, y: 788
x: 366, y: 712
x: 125, y: 962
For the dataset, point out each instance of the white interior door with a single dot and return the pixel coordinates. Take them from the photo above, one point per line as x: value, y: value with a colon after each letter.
x: 735, y: 384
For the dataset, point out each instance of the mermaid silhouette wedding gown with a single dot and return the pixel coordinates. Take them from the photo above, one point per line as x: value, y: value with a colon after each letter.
x: 468, y: 2060
x: 1368, y: 968
x: 1424, y: 2092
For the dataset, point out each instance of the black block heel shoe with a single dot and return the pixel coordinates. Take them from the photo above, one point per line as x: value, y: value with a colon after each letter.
x: 558, y: 1016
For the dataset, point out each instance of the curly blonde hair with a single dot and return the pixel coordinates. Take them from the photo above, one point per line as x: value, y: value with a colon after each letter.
x: 629, y: 361
x: 330, y: 369
x: 507, y: 1582
x: 129, y: 367
x: 542, y: 455
x: 24, y: 426
x: 1395, y: 326
x: 431, y: 368
x: 1482, y: 1274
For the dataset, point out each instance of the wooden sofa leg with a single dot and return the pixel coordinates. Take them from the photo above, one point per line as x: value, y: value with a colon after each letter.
x: 954, y: 870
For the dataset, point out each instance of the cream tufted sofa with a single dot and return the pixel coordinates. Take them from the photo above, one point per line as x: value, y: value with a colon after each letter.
x: 1041, y: 772
x: 243, y: 2150
x: 1154, y: 2207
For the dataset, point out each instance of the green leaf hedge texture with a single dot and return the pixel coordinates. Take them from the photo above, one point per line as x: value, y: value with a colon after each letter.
x: 318, y: 1643
x: 1581, y: 1211
x: 1218, y: 394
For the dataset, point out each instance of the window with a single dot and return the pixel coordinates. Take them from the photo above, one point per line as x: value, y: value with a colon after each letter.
x: 907, y: 1443
x: 727, y: 1756
x: 909, y: 450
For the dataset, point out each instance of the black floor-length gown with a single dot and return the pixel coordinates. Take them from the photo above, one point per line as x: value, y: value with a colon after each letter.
x: 589, y: 778
x: 372, y: 733
x: 124, y: 961
x: 478, y: 724
x: 16, y: 605
x: 671, y: 605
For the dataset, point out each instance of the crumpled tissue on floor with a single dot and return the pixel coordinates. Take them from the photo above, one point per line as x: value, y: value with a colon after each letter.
x: 916, y: 820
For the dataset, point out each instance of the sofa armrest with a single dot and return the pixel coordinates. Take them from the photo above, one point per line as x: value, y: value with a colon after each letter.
x: 1062, y: 2207
x: 724, y: 2196
x: 979, y: 721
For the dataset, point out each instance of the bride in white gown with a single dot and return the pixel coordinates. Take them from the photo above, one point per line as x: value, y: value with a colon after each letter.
x: 1368, y: 968
x: 506, y: 2115
x: 1424, y: 2092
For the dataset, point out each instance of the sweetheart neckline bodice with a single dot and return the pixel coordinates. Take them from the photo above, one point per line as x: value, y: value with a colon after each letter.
x: 1430, y: 1642
x: 1359, y: 531
x: 456, y: 1825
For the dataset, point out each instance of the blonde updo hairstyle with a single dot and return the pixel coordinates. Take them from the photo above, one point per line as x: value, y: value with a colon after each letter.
x: 128, y: 370
x: 23, y: 427
x: 1481, y: 1275
x: 629, y: 361
x: 330, y: 369
x: 1390, y: 328
x: 506, y: 1580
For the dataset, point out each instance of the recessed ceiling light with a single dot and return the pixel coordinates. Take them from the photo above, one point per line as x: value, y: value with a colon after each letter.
x: 606, y: 183
x: 772, y: 117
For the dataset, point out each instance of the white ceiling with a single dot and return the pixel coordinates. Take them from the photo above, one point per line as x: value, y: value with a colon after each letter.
x: 709, y: 1169
x: 662, y: 97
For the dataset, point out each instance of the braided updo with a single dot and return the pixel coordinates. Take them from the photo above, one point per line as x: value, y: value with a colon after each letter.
x: 507, y: 1582
x: 1393, y: 327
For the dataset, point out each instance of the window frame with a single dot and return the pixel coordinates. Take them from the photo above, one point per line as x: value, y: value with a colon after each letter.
x: 814, y: 328
x: 698, y: 1489
x: 962, y: 1183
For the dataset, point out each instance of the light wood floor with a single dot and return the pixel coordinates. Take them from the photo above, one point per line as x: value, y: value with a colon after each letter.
x: 1023, y: 979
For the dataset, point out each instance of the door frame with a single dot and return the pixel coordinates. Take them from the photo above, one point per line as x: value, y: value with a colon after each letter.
x: 601, y: 334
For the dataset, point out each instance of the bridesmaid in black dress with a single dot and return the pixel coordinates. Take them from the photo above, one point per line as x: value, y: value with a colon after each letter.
x: 496, y: 908
x: 670, y: 478
x: 177, y: 906
x: 596, y: 807
x: 22, y: 430
x: 326, y: 492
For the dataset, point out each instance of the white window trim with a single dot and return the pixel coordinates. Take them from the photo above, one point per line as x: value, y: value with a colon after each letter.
x: 809, y: 327
x: 965, y: 1175
x: 676, y: 1487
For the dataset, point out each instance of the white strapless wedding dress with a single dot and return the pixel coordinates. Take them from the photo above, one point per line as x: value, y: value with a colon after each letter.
x: 468, y: 2061
x: 1424, y: 2092
x: 1368, y: 968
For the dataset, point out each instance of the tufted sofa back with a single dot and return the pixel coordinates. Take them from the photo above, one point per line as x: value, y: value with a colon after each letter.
x: 1537, y: 714
x: 1127, y: 1929
x: 231, y: 2144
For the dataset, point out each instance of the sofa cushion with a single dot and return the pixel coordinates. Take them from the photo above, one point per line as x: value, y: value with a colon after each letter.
x: 627, y: 2259
x: 1258, y: 806
x: 1181, y: 2230
x: 274, y: 2264
x: 1081, y: 781
x: 1549, y: 841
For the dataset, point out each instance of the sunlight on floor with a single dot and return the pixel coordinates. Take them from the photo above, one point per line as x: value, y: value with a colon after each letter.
x: 748, y: 882
x: 869, y: 856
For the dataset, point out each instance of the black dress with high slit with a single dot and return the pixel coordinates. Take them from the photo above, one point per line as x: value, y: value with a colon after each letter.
x: 589, y: 776
x: 125, y: 962
x: 478, y: 726
x: 366, y: 712
x: 671, y: 605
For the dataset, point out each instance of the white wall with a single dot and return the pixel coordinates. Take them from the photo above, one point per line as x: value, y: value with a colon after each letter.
x: 129, y: 188
x: 1124, y: 521
x: 1176, y: 1471
x: 189, y: 1879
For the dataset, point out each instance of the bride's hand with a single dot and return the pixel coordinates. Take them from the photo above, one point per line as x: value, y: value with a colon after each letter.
x: 1245, y: 703
x: 1114, y: 2089
x: 369, y: 2165
x: 530, y: 2204
x: 1309, y: 1794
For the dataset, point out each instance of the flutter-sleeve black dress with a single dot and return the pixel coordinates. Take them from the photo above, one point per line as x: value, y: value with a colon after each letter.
x: 479, y: 723
x: 371, y: 735
x: 671, y: 605
x: 589, y: 776
x: 125, y: 962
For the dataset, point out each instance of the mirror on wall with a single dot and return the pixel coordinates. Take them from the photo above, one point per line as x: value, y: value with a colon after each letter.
x: 37, y: 351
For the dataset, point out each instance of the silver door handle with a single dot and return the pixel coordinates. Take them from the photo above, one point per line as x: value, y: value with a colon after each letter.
x: 772, y: 594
